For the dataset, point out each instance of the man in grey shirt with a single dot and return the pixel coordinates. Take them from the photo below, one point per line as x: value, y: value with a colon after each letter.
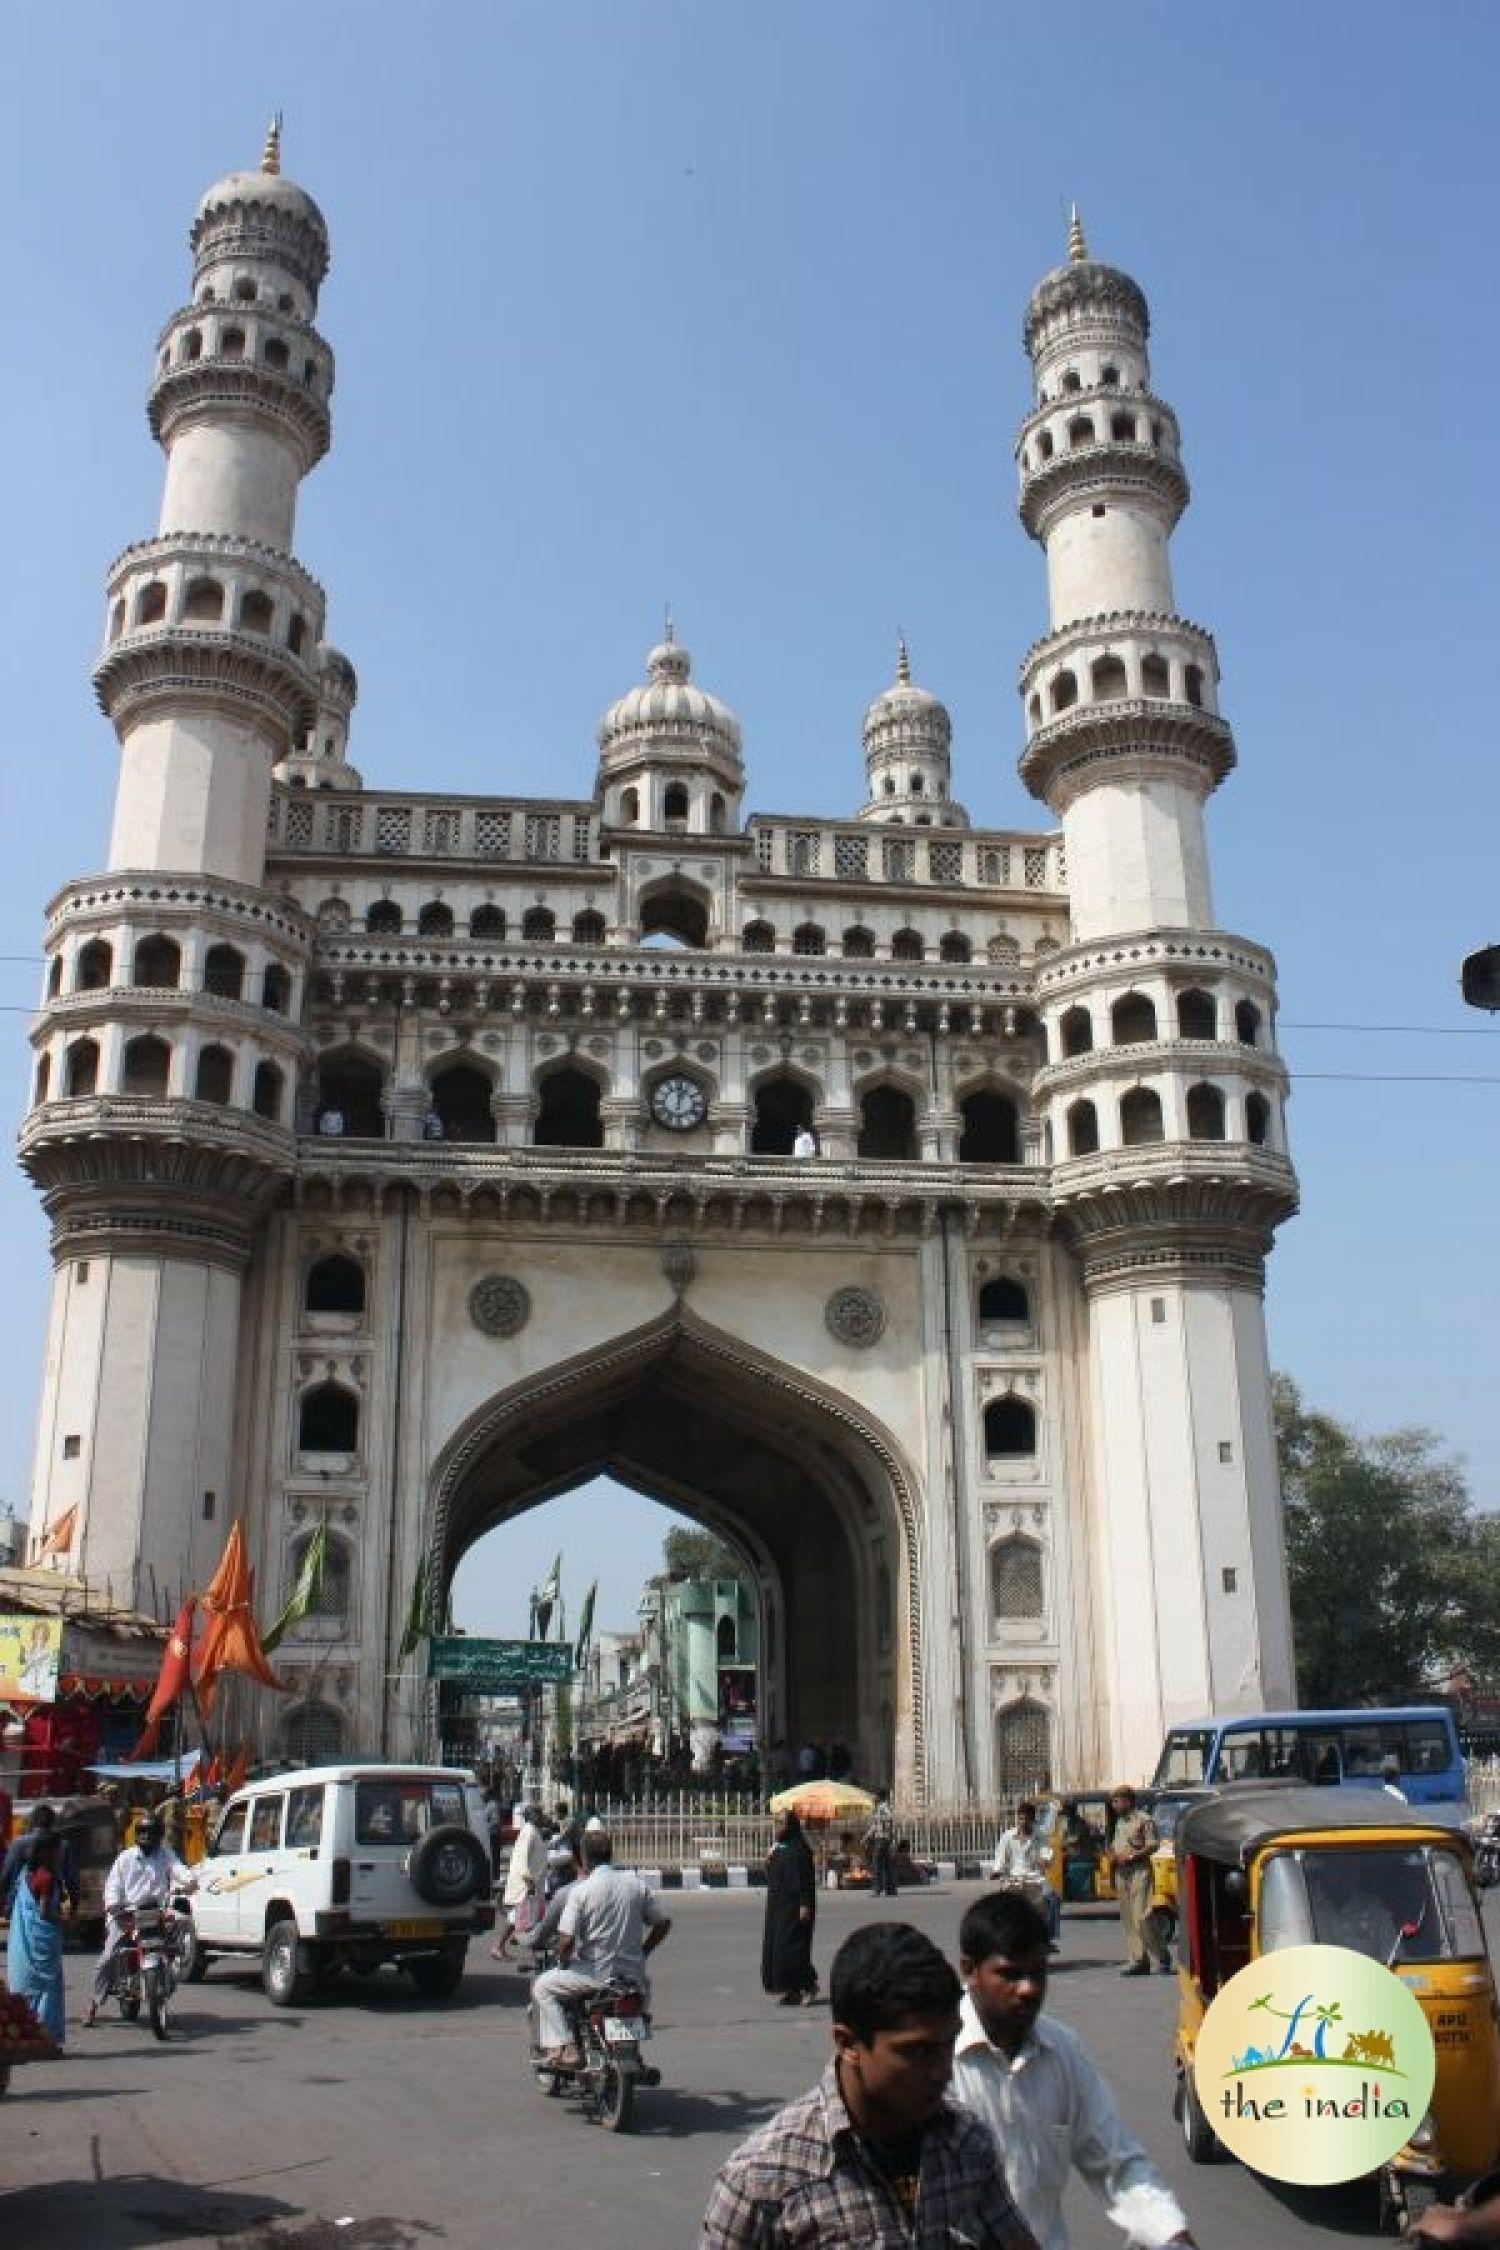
x: 611, y: 1921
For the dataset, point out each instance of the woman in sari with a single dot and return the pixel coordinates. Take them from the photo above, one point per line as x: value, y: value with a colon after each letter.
x: 34, y: 1958
x: 791, y: 1905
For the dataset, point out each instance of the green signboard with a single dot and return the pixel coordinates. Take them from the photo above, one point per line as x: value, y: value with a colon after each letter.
x: 498, y: 1667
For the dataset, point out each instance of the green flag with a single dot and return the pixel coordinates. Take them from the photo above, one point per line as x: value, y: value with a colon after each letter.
x: 585, y: 1625
x: 547, y: 1599
x: 417, y: 1621
x: 308, y: 1591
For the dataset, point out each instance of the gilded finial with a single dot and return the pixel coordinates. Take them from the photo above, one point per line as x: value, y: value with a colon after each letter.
x: 903, y: 662
x: 669, y: 627
x: 270, y: 155
x: 1077, y: 247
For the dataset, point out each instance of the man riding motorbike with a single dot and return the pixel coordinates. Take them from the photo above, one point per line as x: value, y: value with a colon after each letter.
x: 146, y: 1873
x: 609, y: 1924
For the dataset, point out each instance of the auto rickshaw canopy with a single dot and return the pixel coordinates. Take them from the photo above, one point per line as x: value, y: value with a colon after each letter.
x: 1234, y: 1825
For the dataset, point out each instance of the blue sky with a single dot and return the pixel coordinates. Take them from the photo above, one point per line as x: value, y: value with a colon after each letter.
x: 652, y: 302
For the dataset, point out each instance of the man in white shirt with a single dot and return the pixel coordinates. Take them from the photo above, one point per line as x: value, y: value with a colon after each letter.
x: 612, y: 1920
x: 1021, y: 1863
x: 146, y: 1873
x: 1040, y: 2092
x: 522, y: 1895
x: 804, y: 1144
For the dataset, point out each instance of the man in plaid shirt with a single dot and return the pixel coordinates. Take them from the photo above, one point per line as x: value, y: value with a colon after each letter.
x: 874, y: 2155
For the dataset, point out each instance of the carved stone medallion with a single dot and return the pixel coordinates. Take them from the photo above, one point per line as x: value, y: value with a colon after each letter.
x: 500, y: 1305
x: 856, y: 1317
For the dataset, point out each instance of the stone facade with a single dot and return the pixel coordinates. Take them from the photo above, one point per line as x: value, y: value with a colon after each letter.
x: 411, y: 1157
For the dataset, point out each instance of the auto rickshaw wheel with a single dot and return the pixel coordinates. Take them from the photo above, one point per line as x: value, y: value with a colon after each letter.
x: 1199, y: 2138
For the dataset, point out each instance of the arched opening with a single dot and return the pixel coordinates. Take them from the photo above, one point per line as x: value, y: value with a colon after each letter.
x: 589, y: 928
x: 674, y: 805
x: 384, y: 918
x: 435, y: 920
x: 1140, y: 1117
x: 350, y: 1089
x: 569, y: 1113
x: 802, y: 1555
x: 1063, y: 693
x: 1083, y: 1129
x: 276, y: 989
x: 82, y: 1076
x: 461, y: 1098
x: 1076, y: 1032
x: 1080, y: 431
x: 757, y: 937
x: 1009, y: 1429
x: 887, y: 1125
x: 203, y: 602
x: 1122, y: 427
x: 42, y: 1083
x: 1003, y: 1302
x: 328, y: 1420
x: 1247, y: 1023
x: 1192, y: 684
x: 151, y: 603
x: 94, y: 967
x: 224, y: 972
x: 335, y: 1284
x: 1205, y: 1113
x: 145, y: 1066
x: 954, y: 946
x: 539, y: 925
x: 1156, y: 676
x: 1197, y: 1015
x: 674, y: 911
x: 54, y: 976
x: 1132, y: 1020
x: 158, y: 962
x: 1257, y: 1120
x: 988, y: 1129
x: 630, y: 808
x: 808, y: 938
x: 783, y: 1108
x: 907, y: 945
x: 214, y: 1079
x: 1072, y: 381
x: 1016, y: 1590
x: 859, y: 943
x: 487, y: 922
x: 266, y: 1090
x: 256, y: 612
x: 1108, y: 678
x: 717, y: 816
x: 1023, y: 1749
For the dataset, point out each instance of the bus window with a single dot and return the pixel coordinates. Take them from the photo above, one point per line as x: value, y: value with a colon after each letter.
x: 1183, y: 1759
x: 1366, y: 1750
x: 1242, y: 1756
x: 1427, y: 1747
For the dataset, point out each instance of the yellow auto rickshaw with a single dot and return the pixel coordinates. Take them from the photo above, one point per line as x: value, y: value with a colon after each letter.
x: 1264, y: 1867
x: 1073, y: 1831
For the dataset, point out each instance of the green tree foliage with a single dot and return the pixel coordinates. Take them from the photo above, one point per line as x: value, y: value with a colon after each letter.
x: 690, y: 1553
x: 1393, y: 1574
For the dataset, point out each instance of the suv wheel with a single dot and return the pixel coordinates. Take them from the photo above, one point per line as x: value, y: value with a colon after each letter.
x: 449, y: 1866
x: 437, y: 1976
x: 281, y: 1970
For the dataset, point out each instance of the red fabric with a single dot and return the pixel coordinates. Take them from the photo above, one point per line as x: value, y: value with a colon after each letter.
x: 232, y: 1642
x: 176, y: 1668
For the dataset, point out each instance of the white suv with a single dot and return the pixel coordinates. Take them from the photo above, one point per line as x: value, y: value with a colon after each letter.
x: 347, y: 1865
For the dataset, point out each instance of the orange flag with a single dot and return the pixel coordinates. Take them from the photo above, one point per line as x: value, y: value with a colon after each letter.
x: 172, y: 1678
x: 57, y: 1539
x: 232, y: 1643
x: 235, y: 1778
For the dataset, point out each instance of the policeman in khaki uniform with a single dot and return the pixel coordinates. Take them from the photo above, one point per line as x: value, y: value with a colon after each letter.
x: 1132, y: 1840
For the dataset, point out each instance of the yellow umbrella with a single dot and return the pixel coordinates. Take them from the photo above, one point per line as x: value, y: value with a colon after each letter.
x: 824, y: 1801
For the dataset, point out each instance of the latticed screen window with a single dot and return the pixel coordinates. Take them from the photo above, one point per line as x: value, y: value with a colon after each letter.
x: 543, y: 835
x: 765, y: 844
x: 1016, y: 1578
x: 802, y: 851
x: 299, y: 814
x: 313, y: 1736
x: 393, y: 829
x: 945, y: 862
x: 492, y: 834
x: 344, y: 825
x: 1023, y: 1749
x: 441, y: 832
x: 583, y: 836
x: 900, y: 859
x: 1036, y: 868
x: 1004, y: 950
x: 994, y: 864
x: 851, y: 856
x: 1062, y: 864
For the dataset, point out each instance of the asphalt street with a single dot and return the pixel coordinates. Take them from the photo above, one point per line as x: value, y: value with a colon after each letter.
x: 376, y: 2121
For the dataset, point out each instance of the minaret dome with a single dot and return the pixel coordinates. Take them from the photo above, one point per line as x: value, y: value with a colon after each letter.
x: 907, y: 734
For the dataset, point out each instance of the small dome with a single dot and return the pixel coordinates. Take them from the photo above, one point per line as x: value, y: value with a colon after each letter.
x: 337, y: 678
x: 270, y: 191
x: 907, y: 716
x: 263, y: 214
x: 669, y: 708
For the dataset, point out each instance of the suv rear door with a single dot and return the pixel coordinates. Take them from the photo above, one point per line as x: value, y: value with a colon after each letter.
x: 390, y: 1815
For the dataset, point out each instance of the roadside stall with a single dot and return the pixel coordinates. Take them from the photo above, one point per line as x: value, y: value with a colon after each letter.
x: 76, y: 1675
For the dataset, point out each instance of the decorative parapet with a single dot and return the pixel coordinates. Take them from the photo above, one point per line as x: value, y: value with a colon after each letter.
x: 1135, y: 952
x: 1149, y: 733
x: 819, y: 851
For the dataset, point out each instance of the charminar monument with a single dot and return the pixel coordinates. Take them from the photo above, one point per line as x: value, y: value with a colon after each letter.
x: 891, y: 1195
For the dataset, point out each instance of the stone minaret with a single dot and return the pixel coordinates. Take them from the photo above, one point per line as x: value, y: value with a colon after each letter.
x: 168, y: 1046
x: 908, y: 736
x: 1163, y: 1094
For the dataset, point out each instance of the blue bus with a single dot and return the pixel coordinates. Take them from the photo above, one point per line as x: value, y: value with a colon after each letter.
x: 1350, y: 1747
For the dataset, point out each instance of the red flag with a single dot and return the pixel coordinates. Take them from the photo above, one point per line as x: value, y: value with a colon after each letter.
x: 172, y: 1678
x: 232, y: 1643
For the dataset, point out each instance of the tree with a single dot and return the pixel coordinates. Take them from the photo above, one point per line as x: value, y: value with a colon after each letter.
x: 1382, y: 1549
x: 690, y: 1553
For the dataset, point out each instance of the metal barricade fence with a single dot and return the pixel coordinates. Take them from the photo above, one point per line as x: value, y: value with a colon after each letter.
x: 734, y: 1829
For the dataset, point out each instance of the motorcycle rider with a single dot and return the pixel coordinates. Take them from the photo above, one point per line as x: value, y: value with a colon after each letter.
x: 146, y: 1873
x: 609, y: 1924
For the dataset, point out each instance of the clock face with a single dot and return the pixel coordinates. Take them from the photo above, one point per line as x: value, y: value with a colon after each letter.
x: 679, y: 1104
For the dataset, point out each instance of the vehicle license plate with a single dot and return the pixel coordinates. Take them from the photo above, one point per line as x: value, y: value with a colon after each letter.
x: 624, y: 2030
x: 411, y: 1929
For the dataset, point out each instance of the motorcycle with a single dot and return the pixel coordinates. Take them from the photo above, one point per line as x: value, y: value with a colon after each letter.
x: 608, y: 2028
x: 1487, y: 1852
x: 145, y: 1967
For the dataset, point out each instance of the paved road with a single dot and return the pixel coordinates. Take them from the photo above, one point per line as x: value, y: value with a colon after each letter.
x: 375, y: 2121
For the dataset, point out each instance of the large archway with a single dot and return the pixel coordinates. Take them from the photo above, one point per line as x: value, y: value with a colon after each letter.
x: 814, y: 1492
